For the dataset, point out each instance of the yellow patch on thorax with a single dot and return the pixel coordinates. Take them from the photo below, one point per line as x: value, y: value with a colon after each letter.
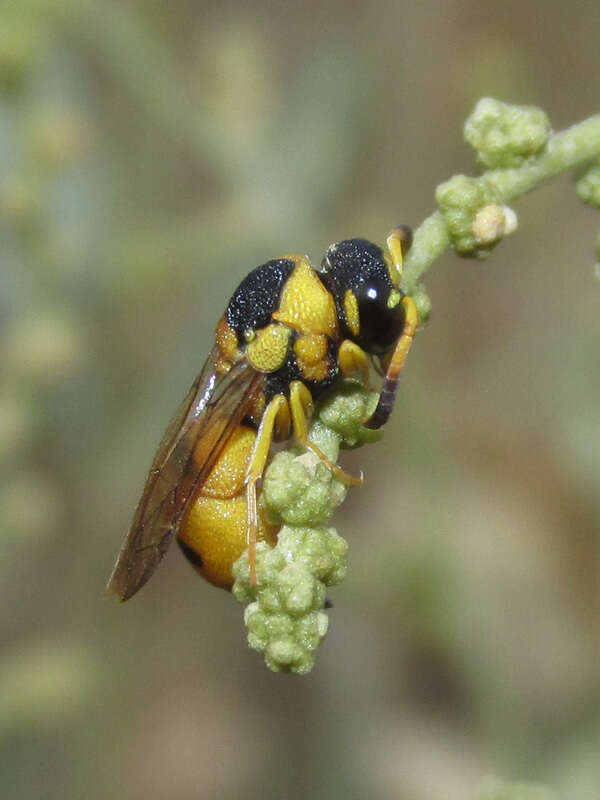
x: 268, y: 349
x: 305, y: 304
x: 311, y: 356
x: 311, y: 348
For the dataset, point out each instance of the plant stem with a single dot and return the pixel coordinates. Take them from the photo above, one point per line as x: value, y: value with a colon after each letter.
x: 564, y: 151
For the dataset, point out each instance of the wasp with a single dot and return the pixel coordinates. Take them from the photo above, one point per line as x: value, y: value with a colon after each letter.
x: 289, y: 332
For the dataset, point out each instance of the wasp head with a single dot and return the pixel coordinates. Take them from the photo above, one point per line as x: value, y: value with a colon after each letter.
x: 365, y: 284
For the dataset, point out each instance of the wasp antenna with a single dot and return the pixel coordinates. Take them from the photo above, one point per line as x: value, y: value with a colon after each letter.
x: 387, y: 395
x: 399, y: 242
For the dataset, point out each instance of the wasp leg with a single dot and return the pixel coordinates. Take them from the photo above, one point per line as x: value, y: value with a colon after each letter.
x: 260, y: 453
x: 387, y: 395
x: 354, y: 361
x: 301, y: 407
x: 283, y: 422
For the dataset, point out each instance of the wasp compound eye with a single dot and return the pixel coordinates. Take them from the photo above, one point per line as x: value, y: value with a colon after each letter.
x: 381, y: 316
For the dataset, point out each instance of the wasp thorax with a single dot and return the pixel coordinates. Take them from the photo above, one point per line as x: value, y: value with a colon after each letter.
x: 363, y: 281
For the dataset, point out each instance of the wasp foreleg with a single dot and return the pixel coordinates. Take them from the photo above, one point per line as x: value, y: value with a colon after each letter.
x: 354, y: 361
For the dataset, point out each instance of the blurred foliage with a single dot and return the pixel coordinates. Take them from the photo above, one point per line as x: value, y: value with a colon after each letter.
x: 150, y: 154
x: 493, y: 789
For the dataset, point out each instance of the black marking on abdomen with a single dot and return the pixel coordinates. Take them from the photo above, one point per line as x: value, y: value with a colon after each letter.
x: 191, y: 555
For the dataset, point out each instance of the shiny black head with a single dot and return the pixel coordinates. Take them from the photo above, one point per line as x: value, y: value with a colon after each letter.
x: 364, y: 282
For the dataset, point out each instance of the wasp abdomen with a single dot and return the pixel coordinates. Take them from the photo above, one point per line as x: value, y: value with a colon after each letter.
x: 213, y: 531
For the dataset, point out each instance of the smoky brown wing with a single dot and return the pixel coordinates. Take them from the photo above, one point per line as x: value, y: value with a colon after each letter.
x: 213, y: 408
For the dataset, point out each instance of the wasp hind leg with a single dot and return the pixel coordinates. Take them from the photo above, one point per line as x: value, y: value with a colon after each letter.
x: 301, y: 407
x: 276, y: 410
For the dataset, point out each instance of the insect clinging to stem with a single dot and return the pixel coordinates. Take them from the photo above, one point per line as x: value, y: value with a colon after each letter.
x: 289, y: 332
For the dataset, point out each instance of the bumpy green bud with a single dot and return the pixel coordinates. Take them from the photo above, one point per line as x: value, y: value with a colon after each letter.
x: 321, y: 550
x: 423, y: 303
x: 343, y: 413
x: 299, y: 592
x: 299, y: 490
x: 264, y: 627
x: 269, y: 563
x: 506, y: 135
x: 285, y: 617
x: 461, y: 199
x: 283, y: 655
x: 588, y: 186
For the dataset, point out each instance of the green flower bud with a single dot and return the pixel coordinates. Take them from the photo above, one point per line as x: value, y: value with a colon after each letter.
x: 284, y: 616
x: 320, y: 550
x: 460, y: 200
x: 311, y: 629
x: 344, y: 411
x: 264, y: 627
x: 506, y: 135
x: 299, y: 490
x: 423, y: 304
x: 588, y: 186
x: 285, y: 655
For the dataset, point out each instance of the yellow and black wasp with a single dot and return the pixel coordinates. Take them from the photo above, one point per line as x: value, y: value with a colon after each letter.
x: 289, y: 332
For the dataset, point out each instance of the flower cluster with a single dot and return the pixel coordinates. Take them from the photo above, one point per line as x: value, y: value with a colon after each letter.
x: 285, y: 613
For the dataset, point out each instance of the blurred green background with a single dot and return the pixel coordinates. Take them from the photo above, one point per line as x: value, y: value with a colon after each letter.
x: 151, y: 153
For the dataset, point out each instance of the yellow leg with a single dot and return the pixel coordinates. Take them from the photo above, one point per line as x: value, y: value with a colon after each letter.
x: 354, y: 361
x: 301, y: 407
x: 283, y: 423
x: 388, y: 391
x: 260, y: 453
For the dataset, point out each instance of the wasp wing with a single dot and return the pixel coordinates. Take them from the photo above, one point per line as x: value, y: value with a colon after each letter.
x: 212, y: 409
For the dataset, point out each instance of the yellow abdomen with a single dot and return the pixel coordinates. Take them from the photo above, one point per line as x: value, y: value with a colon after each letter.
x: 213, y: 531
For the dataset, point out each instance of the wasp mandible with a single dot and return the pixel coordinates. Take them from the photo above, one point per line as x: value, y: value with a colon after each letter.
x: 289, y: 333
